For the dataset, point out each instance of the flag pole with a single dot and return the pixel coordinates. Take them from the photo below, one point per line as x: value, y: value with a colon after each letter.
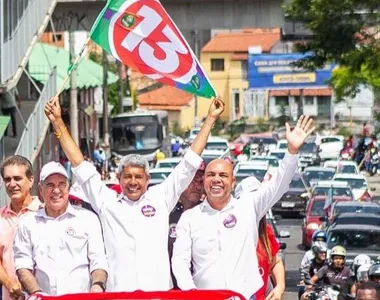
x: 72, y: 67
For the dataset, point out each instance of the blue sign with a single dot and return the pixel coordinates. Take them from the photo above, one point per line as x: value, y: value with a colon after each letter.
x: 271, y: 71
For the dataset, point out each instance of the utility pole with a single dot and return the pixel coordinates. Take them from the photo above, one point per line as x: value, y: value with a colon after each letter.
x: 73, y: 93
x: 105, y: 99
x: 121, y: 86
x: 196, y: 50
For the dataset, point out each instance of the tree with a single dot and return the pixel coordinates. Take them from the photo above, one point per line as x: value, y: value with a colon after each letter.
x: 346, y: 32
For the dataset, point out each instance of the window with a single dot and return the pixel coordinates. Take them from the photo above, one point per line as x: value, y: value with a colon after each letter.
x: 236, y: 99
x: 58, y: 37
x: 217, y: 64
x: 282, y: 101
x: 244, y: 69
x: 309, y: 100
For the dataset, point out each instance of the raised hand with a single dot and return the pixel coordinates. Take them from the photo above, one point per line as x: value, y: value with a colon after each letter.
x: 53, y: 109
x: 216, y: 107
x: 299, y: 134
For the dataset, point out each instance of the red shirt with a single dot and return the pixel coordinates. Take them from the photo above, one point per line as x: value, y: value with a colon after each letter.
x: 264, y: 266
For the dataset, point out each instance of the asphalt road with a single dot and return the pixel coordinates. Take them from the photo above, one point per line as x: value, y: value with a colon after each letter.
x: 295, y: 252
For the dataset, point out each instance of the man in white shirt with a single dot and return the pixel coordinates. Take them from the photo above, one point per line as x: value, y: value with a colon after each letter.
x: 59, y: 249
x: 136, y: 222
x: 218, y: 237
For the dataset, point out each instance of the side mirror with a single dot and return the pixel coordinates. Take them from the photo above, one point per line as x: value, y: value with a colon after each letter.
x: 284, y: 234
x: 322, y: 219
x: 282, y: 246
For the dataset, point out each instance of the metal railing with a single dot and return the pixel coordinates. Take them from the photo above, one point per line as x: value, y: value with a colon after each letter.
x: 20, y: 21
x: 34, y: 127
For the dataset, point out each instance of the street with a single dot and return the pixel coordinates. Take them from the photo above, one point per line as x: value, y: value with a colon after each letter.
x: 294, y: 250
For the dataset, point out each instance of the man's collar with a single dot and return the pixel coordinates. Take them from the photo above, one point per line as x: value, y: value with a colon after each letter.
x: 69, y: 210
x: 206, y: 205
x: 121, y: 197
x: 34, y: 205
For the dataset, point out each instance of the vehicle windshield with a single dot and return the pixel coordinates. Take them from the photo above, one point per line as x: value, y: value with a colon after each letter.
x: 216, y: 146
x: 317, y: 208
x: 161, y: 175
x: 272, y: 161
x: 309, y: 148
x: 354, y: 183
x: 356, y: 209
x: 266, y: 141
x: 167, y: 164
x: 318, y: 175
x: 355, y: 239
x: 209, y: 158
x: 279, y: 155
x: 135, y: 137
x: 283, y: 146
x: 336, y: 192
x: 241, y: 174
x: 297, y: 183
x: 347, y: 169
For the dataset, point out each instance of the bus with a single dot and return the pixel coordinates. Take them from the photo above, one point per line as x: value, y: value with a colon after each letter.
x: 140, y: 132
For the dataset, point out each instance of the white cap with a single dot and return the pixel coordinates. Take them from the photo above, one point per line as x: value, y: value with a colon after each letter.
x: 247, y: 185
x: 51, y: 168
x: 77, y: 192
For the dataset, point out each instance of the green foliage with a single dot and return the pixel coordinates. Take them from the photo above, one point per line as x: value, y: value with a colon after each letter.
x: 218, y: 127
x: 345, y: 131
x: 176, y: 129
x: 344, y: 33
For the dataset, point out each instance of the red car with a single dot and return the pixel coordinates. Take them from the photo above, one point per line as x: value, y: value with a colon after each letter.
x: 314, y: 212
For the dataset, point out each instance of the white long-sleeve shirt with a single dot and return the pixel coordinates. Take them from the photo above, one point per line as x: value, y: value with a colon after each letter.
x: 221, y: 244
x: 136, y: 232
x: 62, y: 252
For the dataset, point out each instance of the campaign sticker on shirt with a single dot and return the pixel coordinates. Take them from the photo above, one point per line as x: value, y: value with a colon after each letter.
x: 148, y: 211
x: 172, y: 230
x: 70, y: 231
x: 230, y: 221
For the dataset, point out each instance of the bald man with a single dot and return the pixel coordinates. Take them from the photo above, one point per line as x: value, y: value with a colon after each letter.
x: 217, y: 236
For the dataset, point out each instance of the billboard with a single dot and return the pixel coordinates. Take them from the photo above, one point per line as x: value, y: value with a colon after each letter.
x: 271, y: 71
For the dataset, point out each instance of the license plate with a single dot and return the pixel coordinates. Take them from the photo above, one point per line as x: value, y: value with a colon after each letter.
x: 287, y: 204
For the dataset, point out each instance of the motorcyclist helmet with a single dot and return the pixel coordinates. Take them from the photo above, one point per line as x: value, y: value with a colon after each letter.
x: 338, y: 251
x: 374, y: 271
x: 361, y: 259
x: 319, y: 247
x: 319, y: 234
x: 362, y: 273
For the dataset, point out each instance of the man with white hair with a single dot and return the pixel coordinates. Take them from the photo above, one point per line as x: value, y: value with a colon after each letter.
x: 59, y: 248
x: 135, y: 222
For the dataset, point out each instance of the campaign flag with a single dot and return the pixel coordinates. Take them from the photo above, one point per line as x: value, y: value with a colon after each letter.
x: 141, y: 35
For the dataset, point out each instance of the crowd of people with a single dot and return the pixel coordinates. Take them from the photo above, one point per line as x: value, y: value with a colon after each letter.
x: 142, y: 239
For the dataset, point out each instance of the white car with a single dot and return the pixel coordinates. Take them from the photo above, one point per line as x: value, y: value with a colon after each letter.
x: 279, y: 153
x: 272, y: 161
x: 158, y: 175
x: 250, y: 168
x: 342, y: 166
x: 282, y: 144
x: 357, y: 182
x: 168, y: 162
x: 330, y: 146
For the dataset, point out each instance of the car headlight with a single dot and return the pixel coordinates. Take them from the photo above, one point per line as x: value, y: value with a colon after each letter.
x: 312, y: 226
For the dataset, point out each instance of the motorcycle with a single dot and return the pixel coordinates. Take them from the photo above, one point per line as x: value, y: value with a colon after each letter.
x: 373, y: 162
x: 347, y: 153
x: 323, y: 292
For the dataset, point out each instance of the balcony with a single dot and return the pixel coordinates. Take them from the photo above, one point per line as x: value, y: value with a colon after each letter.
x: 21, y: 24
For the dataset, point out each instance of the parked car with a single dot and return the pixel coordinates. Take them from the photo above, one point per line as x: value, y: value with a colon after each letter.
x: 359, y: 233
x: 358, y: 184
x: 339, y: 208
x: 168, y: 162
x: 330, y: 146
x: 294, y: 200
x: 158, y: 175
x: 315, y: 214
x: 316, y: 174
x: 309, y: 155
x: 246, y: 169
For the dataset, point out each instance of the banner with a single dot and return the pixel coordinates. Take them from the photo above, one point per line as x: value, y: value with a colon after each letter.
x: 141, y: 34
x: 170, y: 295
x: 270, y: 71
